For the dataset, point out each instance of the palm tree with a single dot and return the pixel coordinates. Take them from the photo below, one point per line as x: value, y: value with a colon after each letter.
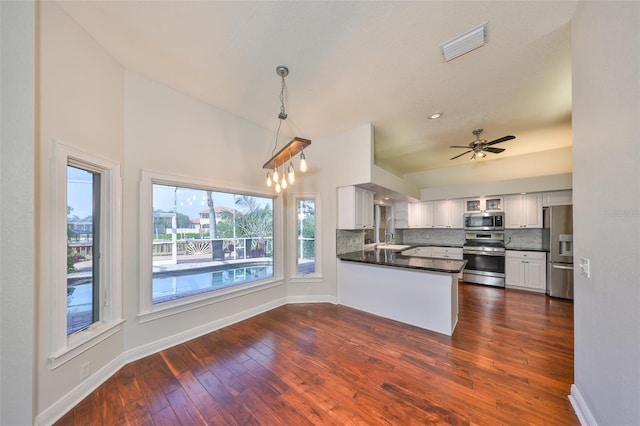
x: 213, y: 230
x: 248, y: 203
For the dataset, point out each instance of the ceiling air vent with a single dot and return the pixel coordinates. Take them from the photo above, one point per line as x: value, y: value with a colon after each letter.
x: 466, y: 42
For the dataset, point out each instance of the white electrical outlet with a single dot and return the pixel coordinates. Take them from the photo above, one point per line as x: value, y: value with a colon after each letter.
x: 85, y: 370
x: 585, y: 267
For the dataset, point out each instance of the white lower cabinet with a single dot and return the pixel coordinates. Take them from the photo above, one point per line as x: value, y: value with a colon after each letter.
x: 437, y: 252
x: 526, y: 270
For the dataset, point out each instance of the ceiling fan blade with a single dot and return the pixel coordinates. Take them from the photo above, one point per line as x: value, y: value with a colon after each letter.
x: 460, y: 155
x: 492, y: 149
x: 502, y: 139
x: 459, y: 146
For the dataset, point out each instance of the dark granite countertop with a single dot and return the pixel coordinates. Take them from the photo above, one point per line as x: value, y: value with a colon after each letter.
x: 438, y: 245
x: 520, y: 248
x: 386, y: 258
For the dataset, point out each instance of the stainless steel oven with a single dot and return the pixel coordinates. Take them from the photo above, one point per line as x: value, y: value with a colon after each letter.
x: 485, y: 256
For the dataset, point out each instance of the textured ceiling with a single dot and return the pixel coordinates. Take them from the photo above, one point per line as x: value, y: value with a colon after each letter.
x: 359, y: 62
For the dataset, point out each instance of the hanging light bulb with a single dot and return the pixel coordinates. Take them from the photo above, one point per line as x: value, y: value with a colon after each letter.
x: 285, y: 177
x: 303, y: 162
x: 269, y: 181
x: 291, y: 174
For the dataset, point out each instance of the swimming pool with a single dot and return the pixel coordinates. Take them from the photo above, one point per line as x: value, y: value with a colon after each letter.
x: 177, y: 284
x: 166, y: 286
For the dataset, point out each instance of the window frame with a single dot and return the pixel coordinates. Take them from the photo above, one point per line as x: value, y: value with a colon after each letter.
x: 66, y: 347
x: 147, y: 311
x: 296, y: 276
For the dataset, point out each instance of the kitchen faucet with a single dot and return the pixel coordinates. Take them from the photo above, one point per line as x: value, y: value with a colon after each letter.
x: 388, y: 231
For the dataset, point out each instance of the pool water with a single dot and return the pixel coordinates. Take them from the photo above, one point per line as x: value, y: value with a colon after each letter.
x: 174, y: 286
x: 168, y: 287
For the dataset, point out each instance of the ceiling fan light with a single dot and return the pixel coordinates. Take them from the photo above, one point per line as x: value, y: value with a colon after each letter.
x: 473, y: 157
x: 482, y: 154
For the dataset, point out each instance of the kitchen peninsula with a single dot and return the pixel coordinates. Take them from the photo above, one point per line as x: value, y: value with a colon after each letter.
x: 415, y: 290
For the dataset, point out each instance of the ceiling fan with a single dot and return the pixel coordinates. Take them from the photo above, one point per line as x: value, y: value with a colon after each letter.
x: 480, y: 146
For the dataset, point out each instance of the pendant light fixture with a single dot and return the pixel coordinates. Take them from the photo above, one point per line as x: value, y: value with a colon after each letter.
x: 294, y: 147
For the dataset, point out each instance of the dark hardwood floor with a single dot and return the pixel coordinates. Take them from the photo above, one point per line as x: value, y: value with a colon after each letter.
x: 510, y: 361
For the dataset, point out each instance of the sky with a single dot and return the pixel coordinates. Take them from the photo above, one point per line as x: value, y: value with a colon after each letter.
x: 188, y: 201
x: 79, y: 192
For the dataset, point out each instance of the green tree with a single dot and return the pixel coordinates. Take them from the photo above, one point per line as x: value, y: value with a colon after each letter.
x: 257, y: 225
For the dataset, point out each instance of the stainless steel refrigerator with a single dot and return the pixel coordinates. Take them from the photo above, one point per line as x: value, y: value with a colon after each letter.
x: 558, y: 239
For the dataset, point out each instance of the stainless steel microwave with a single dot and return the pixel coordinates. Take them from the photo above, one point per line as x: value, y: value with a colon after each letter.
x: 488, y: 221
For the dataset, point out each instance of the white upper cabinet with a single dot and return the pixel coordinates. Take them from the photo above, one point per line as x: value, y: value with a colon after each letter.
x: 557, y: 198
x: 421, y: 214
x: 523, y: 211
x: 355, y: 208
x: 483, y: 204
x: 448, y: 214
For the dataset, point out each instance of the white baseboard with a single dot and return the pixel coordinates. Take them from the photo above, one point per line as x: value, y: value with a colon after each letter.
x: 58, y: 409
x: 581, y: 408
x: 307, y: 298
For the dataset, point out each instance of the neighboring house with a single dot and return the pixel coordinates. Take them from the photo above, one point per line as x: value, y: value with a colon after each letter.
x: 222, y: 215
x: 80, y: 229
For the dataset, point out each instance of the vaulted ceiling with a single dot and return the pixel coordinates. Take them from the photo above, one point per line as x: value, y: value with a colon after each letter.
x: 360, y: 62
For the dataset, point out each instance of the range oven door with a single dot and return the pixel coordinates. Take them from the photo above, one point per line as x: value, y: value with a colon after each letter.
x: 484, y: 268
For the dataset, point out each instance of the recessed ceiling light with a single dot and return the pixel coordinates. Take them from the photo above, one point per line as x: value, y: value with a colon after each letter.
x: 435, y: 116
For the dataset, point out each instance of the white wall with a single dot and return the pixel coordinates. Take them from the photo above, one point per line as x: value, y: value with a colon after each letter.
x: 17, y: 215
x: 544, y: 163
x: 87, y: 100
x: 172, y: 133
x: 503, y: 187
x: 606, y: 199
x: 81, y: 104
x: 340, y: 160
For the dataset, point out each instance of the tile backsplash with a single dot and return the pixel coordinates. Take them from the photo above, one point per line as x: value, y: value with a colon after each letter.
x: 348, y: 241
x: 449, y: 237
x: 523, y: 238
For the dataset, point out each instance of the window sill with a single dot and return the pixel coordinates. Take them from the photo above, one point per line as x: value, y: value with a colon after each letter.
x: 83, y: 341
x: 177, y: 306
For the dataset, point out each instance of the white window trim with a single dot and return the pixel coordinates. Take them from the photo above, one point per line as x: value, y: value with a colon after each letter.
x: 147, y: 310
x: 63, y: 347
x: 296, y: 276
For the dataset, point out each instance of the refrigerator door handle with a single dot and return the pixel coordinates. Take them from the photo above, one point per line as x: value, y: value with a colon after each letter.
x: 562, y: 267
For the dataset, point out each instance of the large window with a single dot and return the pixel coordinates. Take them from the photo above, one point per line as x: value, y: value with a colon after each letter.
x: 307, y: 242
x: 87, y: 288
x: 203, y: 243
x: 306, y: 247
x: 83, y: 248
